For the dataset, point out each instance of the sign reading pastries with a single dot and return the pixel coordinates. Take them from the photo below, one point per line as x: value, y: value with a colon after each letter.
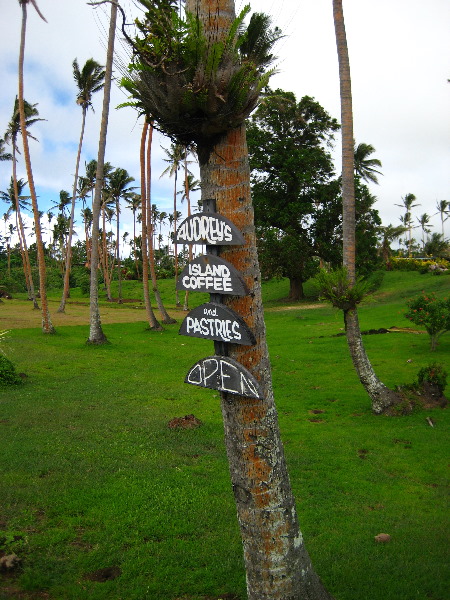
x: 209, y: 228
x: 224, y: 374
x: 214, y: 321
x: 209, y: 273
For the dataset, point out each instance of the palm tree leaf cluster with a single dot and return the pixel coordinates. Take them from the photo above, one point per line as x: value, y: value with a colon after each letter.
x: 196, y: 86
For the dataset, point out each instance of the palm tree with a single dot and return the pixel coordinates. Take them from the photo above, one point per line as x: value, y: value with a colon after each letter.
x: 86, y: 215
x: 175, y: 157
x: 408, y: 204
x: 134, y: 203
x: 190, y: 185
x: 276, y: 560
x: 437, y: 246
x: 47, y: 326
x: 443, y: 211
x: 424, y: 221
x: 381, y: 396
x: 118, y: 189
x: 390, y: 234
x: 365, y: 166
x: 89, y: 80
x: 3, y: 154
x: 96, y: 334
x: 16, y: 203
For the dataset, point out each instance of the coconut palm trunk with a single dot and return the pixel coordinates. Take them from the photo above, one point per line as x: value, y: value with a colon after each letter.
x: 47, y: 326
x: 152, y: 321
x: 96, y: 334
x: 277, y: 563
x: 381, y: 396
x: 165, y: 317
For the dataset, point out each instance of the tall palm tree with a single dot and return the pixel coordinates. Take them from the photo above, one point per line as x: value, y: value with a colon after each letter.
x: 134, y: 203
x: 11, y: 137
x: 381, y: 396
x: 47, y: 326
x: 424, y: 222
x: 276, y: 560
x: 409, y: 202
x: 89, y: 80
x: 17, y: 202
x: 96, y: 334
x: 86, y: 215
x: 443, y: 211
x: 175, y: 157
x: 365, y: 166
x: 119, y: 189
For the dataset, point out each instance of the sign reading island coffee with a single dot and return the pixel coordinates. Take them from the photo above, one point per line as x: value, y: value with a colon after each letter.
x: 209, y: 273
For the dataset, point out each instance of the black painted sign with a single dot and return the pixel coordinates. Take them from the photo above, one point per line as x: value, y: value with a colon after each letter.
x: 212, y: 274
x: 209, y: 228
x: 224, y: 374
x: 214, y: 321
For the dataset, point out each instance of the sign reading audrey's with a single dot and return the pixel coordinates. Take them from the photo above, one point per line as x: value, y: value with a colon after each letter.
x: 209, y: 228
x: 214, y: 321
x: 212, y: 274
x: 224, y: 374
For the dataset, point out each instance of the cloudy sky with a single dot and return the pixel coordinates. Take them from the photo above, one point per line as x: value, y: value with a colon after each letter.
x: 400, y: 64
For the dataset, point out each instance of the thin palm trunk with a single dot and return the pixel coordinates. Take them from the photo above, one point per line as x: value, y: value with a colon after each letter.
x: 96, y: 334
x: 381, y: 396
x: 175, y: 247
x: 165, y: 317
x: 68, y: 263
x: 47, y: 326
x: 152, y: 321
x: 188, y: 200
x: 119, y: 265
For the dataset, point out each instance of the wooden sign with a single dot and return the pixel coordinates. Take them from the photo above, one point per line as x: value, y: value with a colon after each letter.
x: 224, y: 374
x: 212, y: 274
x: 209, y: 228
x: 214, y: 321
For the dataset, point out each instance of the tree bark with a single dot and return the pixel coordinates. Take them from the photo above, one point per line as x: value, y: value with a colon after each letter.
x: 381, y: 396
x: 296, y: 289
x: 96, y: 335
x: 47, y: 326
x: 152, y: 320
x: 65, y: 294
x: 277, y: 563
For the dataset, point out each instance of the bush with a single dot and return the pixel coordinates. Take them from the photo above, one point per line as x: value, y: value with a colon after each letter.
x: 433, y: 374
x: 334, y: 286
x: 429, y: 312
x: 8, y: 374
x: 424, y: 266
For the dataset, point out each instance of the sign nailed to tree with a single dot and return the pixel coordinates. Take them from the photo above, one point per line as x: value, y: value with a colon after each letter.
x: 214, y: 321
x: 212, y: 274
x: 209, y: 228
x: 224, y: 374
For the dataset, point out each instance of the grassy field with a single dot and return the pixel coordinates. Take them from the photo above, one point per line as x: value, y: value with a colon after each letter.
x: 102, y: 501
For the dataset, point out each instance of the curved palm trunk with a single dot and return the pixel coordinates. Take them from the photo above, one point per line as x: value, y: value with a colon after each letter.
x: 96, y: 335
x: 47, y: 326
x: 277, y: 564
x: 152, y: 321
x: 68, y: 264
x: 381, y: 396
x: 165, y: 317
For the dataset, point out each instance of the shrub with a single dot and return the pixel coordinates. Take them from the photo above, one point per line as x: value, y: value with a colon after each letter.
x: 334, y: 286
x: 434, y: 374
x: 429, y: 312
x: 8, y: 374
x: 424, y: 266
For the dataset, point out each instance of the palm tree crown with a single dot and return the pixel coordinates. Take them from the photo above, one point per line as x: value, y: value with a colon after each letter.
x: 365, y: 166
x: 89, y: 79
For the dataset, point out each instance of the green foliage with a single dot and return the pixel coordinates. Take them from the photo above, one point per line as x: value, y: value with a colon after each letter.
x: 8, y: 374
x: 413, y: 264
x: 194, y: 87
x: 435, y: 374
x: 431, y: 313
x: 334, y: 286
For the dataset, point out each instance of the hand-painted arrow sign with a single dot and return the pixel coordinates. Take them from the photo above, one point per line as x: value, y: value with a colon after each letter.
x: 212, y: 321
x: 209, y: 228
x: 224, y: 374
x: 209, y: 273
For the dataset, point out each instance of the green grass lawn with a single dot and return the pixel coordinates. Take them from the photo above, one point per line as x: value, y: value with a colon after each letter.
x: 91, y: 476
